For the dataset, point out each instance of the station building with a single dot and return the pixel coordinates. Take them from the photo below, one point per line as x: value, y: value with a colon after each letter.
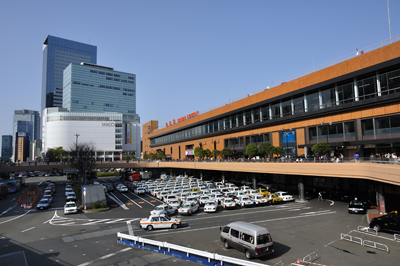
x: 353, y: 105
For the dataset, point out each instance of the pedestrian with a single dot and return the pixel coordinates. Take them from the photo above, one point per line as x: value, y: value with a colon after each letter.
x: 320, y: 196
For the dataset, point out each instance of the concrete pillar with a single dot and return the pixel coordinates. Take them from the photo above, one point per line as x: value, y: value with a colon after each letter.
x: 184, y: 173
x: 380, y: 199
x: 305, y: 103
x: 112, y: 156
x: 378, y: 85
x: 170, y: 172
x: 223, y: 177
x: 254, y: 181
x: 336, y: 95
x: 301, y: 188
x: 356, y: 95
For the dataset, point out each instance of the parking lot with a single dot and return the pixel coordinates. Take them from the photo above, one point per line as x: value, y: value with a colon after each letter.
x: 297, y: 228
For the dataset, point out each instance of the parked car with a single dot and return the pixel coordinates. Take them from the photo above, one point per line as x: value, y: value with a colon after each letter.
x: 228, y: 203
x: 188, y: 208
x: 389, y: 222
x: 43, y: 204
x: 285, y: 196
x: 70, y: 207
x: 210, y: 206
x: 244, y: 201
x: 159, y: 221
x: 164, y: 209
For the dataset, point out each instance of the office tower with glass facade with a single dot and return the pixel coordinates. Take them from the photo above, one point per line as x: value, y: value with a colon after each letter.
x: 58, y: 53
x: 6, y: 147
x: 94, y: 88
x: 27, y: 122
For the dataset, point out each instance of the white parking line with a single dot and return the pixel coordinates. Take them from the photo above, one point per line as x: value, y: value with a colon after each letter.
x: 118, y: 201
x: 105, y: 257
x: 27, y: 229
x: 131, y: 200
x: 142, y: 199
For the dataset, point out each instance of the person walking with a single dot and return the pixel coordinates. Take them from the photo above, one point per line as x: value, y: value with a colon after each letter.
x: 320, y: 196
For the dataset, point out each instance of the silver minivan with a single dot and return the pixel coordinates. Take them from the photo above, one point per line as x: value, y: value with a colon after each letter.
x: 255, y: 241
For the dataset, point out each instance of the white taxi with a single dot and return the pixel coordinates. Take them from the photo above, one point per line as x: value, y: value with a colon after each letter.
x: 159, y: 222
x: 244, y: 201
x: 163, y: 209
x: 211, y: 206
x: 188, y: 208
x: 70, y: 207
x: 285, y: 196
x: 228, y: 203
x: 259, y: 199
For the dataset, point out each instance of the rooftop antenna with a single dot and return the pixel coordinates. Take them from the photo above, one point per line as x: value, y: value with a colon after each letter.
x: 390, y: 31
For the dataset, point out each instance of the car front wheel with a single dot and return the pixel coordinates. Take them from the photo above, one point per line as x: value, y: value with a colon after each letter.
x: 149, y: 227
x: 226, y: 245
x: 174, y: 226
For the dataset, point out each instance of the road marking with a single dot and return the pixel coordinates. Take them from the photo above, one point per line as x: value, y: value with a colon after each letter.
x: 105, y: 257
x: 142, y: 199
x: 332, y: 202
x: 27, y: 229
x: 15, y: 217
x: 214, y: 227
x: 131, y: 200
x: 7, y: 210
x: 58, y: 220
x: 130, y: 228
x: 118, y: 201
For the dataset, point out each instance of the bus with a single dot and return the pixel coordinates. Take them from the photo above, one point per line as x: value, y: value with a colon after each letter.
x: 13, y: 185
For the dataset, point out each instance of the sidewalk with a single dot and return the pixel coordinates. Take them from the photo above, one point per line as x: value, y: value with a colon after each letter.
x: 372, y: 213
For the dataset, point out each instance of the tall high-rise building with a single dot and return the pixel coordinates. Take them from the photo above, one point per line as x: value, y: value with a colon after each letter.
x: 99, y: 106
x: 28, y: 123
x: 33, y: 127
x: 6, y: 147
x: 58, y: 53
x: 94, y: 88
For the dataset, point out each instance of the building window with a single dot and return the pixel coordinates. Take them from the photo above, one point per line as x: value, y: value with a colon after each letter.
x: 312, y: 132
x: 367, y: 127
x: 394, y: 81
x: 349, y: 129
x: 313, y: 102
x: 382, y: 125
x: 346, y: 93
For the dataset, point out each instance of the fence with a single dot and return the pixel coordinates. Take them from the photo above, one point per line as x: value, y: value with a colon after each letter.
x: 366, y: 243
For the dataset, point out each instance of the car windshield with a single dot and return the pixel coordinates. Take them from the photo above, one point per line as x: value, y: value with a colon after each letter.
x: 210, y: 203
x: 245, y: 198
x: 159, y: 208
x: 43, y: 201
x: 357, y: 203
x: 229, y: 200
x: 174, y: 202
x: 264, y: 239
x: 70, y: 205
x: 186, y: 206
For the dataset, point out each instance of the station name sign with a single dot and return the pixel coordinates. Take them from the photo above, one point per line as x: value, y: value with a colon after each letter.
x: 183, y: 118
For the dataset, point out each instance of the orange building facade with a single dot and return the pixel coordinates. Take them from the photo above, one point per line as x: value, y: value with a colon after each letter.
x: 353, y: 105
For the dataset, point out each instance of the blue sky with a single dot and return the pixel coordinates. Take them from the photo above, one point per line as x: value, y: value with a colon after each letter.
x: 188, y: 55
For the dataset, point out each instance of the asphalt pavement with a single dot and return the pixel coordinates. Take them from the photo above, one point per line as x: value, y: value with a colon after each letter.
x: 51, y: 238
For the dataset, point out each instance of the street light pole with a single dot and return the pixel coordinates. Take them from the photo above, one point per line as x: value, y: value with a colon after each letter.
x: 77, y: 135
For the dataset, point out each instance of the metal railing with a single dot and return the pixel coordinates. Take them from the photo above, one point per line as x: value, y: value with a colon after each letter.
x: 364, y: 243
x: 189, y: 254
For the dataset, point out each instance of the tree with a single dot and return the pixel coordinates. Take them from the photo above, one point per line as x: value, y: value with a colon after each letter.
x: 278, y: 150
x: 59, y: 153
x: 226, y: 152
x: 322, y: 148
x: 251, y: 150
x: 266, y: 148
x: 207, y: 153
x: 160, y: 155
x: 215, y: 153
x: 199, y: 152
x: 82, y: 158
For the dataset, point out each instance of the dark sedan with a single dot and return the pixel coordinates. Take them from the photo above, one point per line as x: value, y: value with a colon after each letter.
x: 389, y: 222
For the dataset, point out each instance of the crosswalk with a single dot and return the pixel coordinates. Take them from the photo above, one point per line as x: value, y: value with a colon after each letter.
x: 67, y: 221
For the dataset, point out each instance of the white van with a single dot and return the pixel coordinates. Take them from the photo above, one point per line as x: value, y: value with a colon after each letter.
x: 255, y: 241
